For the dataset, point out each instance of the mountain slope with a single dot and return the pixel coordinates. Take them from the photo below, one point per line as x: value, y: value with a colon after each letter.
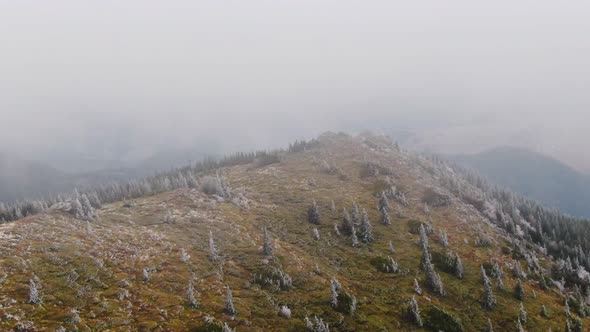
x: 127, y: 269
x: 534, y: 175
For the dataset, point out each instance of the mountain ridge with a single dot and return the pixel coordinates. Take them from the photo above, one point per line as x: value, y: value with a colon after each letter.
x: 134, y: 264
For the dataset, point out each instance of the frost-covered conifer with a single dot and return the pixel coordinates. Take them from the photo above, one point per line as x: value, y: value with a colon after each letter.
x: 519, y: 327
x: 346, y: 226
x: 417, y: 288
x: 443, y: 238
x: 229, y: 303
x: 333, y: 295
x: 459, y: 270
x: 490, y: 326
x: 522, y: 314
x: 423, y: 236
x: 267, y: 246
x: 313, y: 213
x: 34, y: 297
x: 384, y: 209
x: 316, y: 234
x: 355, y: 240
x: 317, y: 325
x: 365, y: 228
x: 414, y: 312
x: 489, y: 299
x: 213, y: 251
x: 285, y: 312
x: 519, y: 290
x: 567, y: 308
x: 192, y: 301
x: 391, y: 247
x: 333, y: 207
x: 356, y: 214
x: 168, y: 217
x: 226, y: 328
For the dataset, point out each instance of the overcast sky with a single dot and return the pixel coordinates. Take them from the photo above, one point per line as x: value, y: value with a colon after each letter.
x: 167, y: 72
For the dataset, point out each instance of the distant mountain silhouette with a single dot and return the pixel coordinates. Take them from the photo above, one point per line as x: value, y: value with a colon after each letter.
x: 535, y: 175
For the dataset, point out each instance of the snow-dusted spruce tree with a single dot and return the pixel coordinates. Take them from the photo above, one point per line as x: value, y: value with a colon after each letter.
x: 443, y: 238
x: 346, y: 226
x: 423, y: 236
x: 567, y: 307
x: 356, y: 214
x: 73, y: 316
x: 284, y: 312
x: 489, y: 299
x: 76, y: 208
x: 355, y: 240
x: 490, y: 326
x: 333, y: 207
x: 88, y: 212
x: 336, y: 229
x: 313, y: 213
x: 577, y: 325
x: 519, y: 290
x: 519, y: 327
x: 365, y: 228
x: 522, y: 314
x: 229, y: 303
x: 267, y: 246
x: 459, y: 270
x: 414, y: 312
x: 192, y: 301
x: 384, y: 209
x: 417, y: 288
x: 433, y: 280
x: 333, y: 295
x: 213, y: 251
x: 34, y: 297
x: 317, y: 325
x: 226, y: 328
x: 316, y: 234
x: 391, y: 247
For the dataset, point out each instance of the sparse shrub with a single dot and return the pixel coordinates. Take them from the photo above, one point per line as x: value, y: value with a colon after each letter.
x: 169, y: 217
x: 438, y: 319
x: 435, y: 199
x: 386, y: 265
x: 216, y: 185
x: 273, y: 277
x: 370, y: 169
x: 266, y: 158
